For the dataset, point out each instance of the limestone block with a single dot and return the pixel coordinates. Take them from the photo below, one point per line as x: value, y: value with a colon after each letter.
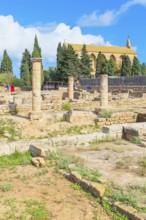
x: 85, y: 184
x: 75, y: 177
x: 40, y: 151
x: 38, y: 161
x: 97, y: 189
x: 128, y: 211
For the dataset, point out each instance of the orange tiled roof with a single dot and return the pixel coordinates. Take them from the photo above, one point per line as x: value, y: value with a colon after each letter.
x: 104, y: 49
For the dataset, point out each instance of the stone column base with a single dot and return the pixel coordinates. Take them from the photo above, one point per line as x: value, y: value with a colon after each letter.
x: 34, y: 115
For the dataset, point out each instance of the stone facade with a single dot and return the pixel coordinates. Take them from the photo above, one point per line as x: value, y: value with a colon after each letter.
x: 109, y: 52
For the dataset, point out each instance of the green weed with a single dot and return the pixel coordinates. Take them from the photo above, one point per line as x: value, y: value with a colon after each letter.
x: 6, y: 187
x: 76, y: 186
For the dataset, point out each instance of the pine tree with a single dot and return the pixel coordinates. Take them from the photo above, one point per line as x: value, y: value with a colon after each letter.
x: 136, y: 67
x: 37, y: 54
x: 85, y: 63
x: 99, y: 64
x: 126, y: 66
x: 25, y: 69
x: 6, y: 64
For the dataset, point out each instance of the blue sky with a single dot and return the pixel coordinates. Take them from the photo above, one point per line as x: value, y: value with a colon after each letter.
x: 98, y: 22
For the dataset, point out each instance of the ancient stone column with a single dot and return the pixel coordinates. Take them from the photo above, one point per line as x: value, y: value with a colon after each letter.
x: 103, y: 90
x: 36, y: 89
x: 70, y: 87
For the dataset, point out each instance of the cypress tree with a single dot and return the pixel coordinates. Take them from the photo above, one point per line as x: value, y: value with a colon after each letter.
x: 37, y: 53
x: 25, y: 69
x: 85, y: 63
x: 111, y: 67
x: 105, y: 67
x: 136, y: 68
x: 143, y: 69
x: 6, y: 64
x: 99, y: 64
x: 126, y: 66
x: 68, y: 63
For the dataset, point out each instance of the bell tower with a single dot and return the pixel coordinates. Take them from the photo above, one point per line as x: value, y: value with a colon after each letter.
x: 128, y: 44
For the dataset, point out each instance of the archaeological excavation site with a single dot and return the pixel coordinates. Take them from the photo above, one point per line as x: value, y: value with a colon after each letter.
x: 75, y: 152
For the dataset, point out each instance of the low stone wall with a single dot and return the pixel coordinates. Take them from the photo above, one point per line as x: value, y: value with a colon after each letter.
x: 118, y: 118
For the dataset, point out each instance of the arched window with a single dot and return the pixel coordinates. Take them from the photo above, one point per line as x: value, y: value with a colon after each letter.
x: 93, y: 61
x: 112, y: 57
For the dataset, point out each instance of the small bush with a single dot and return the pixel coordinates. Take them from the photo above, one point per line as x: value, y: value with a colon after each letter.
x: 67, y: 106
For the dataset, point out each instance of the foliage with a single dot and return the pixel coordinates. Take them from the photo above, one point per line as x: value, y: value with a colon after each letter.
x: 16, y: 82
x: 68, y: 63
x: 113, y: 212
x: 105, y: 66
x: 85, y: 63
x: 143, y: 69
x: 8, y: 129
x: 99, y: 64
x: 6, y: 187
x: 37, y: 54
x: 126, y: 66
x: 6, y: 64
x: 127, y: 199
x: 25, y: 69
x: 76, y: 186
x: 136, y: 67
x: 6, y: 79
x: 111, y: 67
x: 17, y: 158
x: 37, y: 210
x: 67, y: 106
x: 136, y: 140
x: 105, y: 114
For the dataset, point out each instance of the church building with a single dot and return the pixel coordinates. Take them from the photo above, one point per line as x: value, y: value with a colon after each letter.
x: 109, y: 52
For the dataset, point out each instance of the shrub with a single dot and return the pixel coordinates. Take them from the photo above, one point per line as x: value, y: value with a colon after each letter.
x: 105, y: 114
x: 67, y: 106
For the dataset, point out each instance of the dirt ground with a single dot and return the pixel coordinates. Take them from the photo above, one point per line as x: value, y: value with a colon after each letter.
x: 122, y: 162
x: 24, y: 188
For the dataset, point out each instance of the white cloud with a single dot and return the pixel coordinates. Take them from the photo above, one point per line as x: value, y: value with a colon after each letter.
x: 15, y: 38
x: 109, y: 17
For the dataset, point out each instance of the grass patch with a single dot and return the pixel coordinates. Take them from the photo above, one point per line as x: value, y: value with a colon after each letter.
x: 8, y: 129
x: 113, y: 212
x: 17, y: 158
x: 105, y: 114
x: 6, y: 187
x: 67, y: 106
x: 37, y: 210
x: 136, y: 140
x: 127, y: 199
x: 104, y: 140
